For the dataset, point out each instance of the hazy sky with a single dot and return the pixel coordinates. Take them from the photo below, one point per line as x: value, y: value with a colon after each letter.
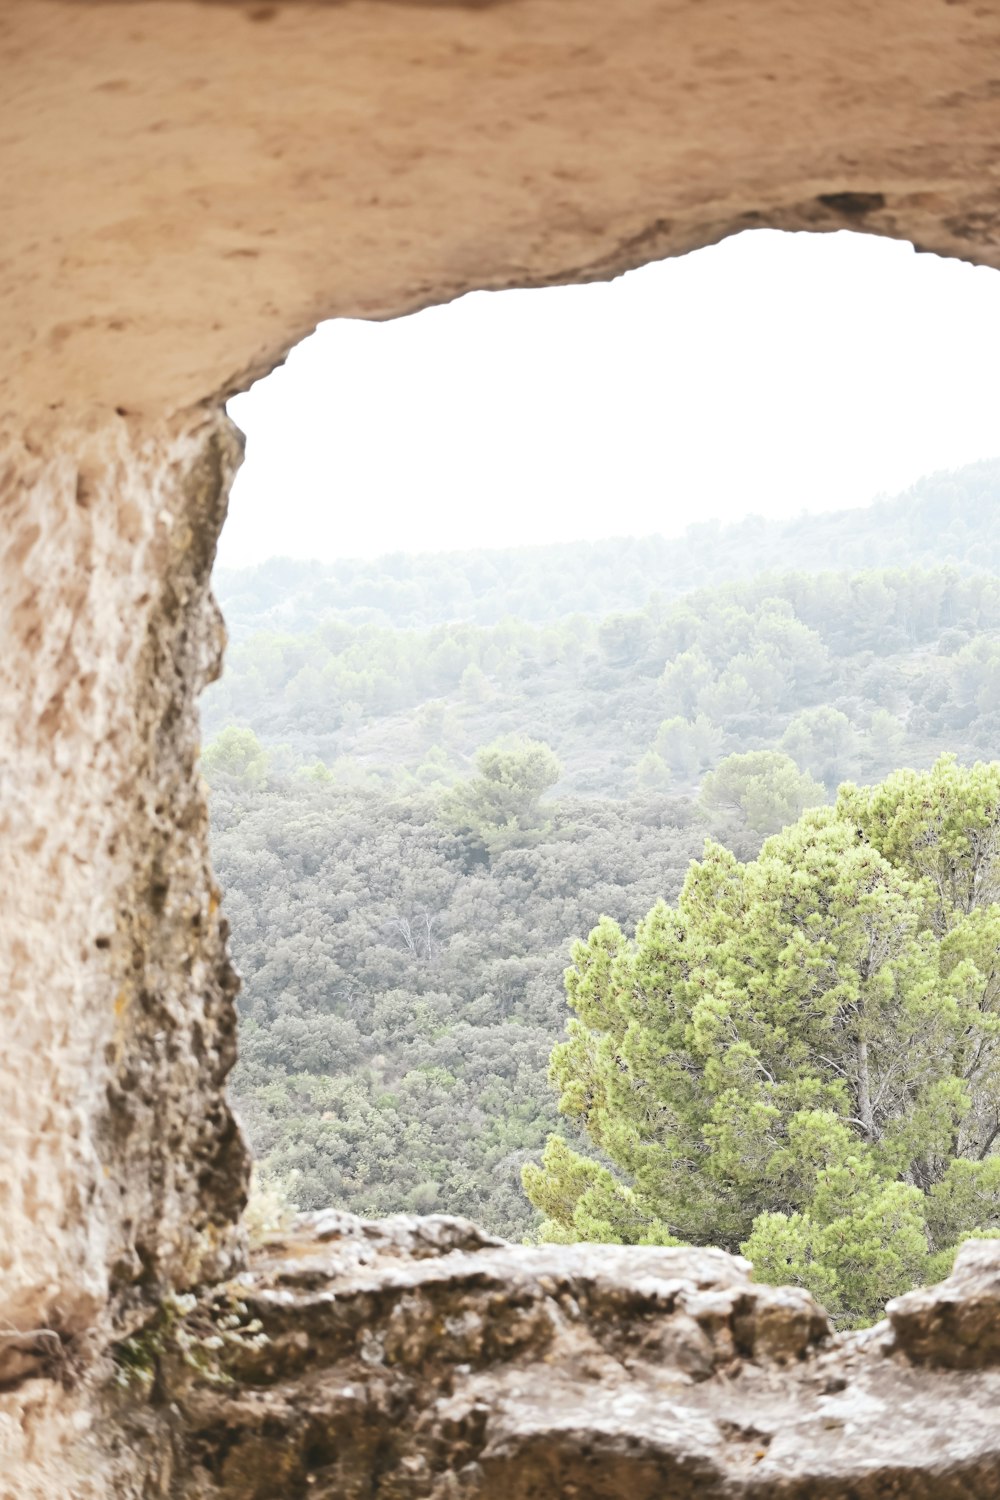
x: 772, y: 373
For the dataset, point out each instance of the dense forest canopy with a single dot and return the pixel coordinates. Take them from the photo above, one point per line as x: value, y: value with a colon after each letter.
x: 844, y: 670
x: 418, y: 806
x: 403, y: 987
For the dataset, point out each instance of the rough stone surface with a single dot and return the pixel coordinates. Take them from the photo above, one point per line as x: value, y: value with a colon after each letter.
x: 956, y: 1324
x: 409, y: 1359
x: 124, y: 1171
x: 187, y: 189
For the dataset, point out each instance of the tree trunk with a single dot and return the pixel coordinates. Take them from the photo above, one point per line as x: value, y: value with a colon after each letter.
x: 865, y: 1114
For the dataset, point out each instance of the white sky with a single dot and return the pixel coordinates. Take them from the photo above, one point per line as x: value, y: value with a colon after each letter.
x: 772, y: 373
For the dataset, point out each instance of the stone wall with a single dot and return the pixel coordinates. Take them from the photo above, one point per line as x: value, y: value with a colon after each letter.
x: 187, y: 189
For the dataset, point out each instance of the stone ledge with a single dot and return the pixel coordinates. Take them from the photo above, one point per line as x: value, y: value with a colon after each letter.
x: 420, y: 1358
x: 956, y: 1324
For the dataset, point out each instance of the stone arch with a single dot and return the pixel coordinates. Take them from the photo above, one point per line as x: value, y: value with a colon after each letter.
x: 188, y: 189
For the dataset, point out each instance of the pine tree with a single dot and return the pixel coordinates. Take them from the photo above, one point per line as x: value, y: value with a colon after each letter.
x: 801, y: 1060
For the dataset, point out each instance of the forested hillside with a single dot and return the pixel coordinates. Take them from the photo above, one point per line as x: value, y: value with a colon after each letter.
x: 403, y: 903
x: 950, y: 517
x: 843, y: 671
x: 403, y: 989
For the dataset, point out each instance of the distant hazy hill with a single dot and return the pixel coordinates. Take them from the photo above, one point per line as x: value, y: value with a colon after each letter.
x: 947, y: 517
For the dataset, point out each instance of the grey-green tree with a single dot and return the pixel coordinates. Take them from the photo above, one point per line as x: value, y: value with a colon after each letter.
x: 501, y: 805
x: 764, y: 788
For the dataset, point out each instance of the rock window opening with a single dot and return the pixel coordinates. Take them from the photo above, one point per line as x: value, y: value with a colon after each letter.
x: 628, y: 535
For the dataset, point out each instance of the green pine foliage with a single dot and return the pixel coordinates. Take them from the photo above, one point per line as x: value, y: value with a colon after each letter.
x: 501, y: 805
x: 801, y: 1057
x: 765, y: 789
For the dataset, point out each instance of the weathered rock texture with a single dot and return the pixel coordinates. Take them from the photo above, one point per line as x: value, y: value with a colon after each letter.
x: 414, y: 1358
x: 120, y: 1027
x: 123, y: 1170
x: 187, y: 189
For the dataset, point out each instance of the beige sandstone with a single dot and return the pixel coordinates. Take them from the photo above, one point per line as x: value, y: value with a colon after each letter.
x: 186, y: 190
x: 189, y: 188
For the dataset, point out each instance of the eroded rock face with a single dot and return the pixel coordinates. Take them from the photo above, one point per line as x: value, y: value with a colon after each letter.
x: 956, y: 1324
x: 419, y: 1358
x: 123, y: 1169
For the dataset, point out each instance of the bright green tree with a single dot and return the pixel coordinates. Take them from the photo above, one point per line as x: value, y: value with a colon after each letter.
x: 801, y: 1059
